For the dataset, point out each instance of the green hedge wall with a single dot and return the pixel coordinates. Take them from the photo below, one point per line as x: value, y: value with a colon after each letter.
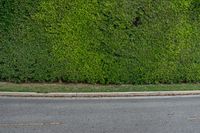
x: 100, y: 41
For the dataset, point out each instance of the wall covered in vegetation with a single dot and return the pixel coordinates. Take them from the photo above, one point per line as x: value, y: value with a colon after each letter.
x: 100, y: 41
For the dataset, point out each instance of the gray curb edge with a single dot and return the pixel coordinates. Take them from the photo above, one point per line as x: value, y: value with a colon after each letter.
x: 101, y: 94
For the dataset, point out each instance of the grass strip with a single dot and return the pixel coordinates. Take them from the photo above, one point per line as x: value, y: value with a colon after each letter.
x: 70, y: 88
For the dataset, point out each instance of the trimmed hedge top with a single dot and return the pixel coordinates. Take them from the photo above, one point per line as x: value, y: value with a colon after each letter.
x: 100, y: 41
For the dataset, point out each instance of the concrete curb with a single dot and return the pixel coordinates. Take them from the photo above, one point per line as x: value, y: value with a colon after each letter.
x: 101, y: 94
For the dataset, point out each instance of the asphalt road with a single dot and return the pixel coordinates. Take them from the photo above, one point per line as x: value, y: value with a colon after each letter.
x: 138, y: 115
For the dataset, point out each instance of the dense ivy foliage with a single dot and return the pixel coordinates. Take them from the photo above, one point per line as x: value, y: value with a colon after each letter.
x: 100, y: 41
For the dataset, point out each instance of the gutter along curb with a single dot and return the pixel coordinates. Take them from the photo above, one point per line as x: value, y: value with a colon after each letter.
x: 100, y: 94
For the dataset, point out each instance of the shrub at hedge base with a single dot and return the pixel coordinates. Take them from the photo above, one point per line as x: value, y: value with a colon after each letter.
x: 100, y: 41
